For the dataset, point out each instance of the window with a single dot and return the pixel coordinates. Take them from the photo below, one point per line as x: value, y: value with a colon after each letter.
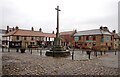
x: 102, y: 39
x: 46, y: 38
x: 24, y: 38
x: 111, y: 37
x: 31, y: 43
x: 87, y: 38
x: 17, y: 37
x: 31, y: 38
x: 79, y: 37
x: 94, y: 37
x: 49, y: 38
x: 107, y: 38
x: 85, y: 44
x: 106, y: 44
x: 76, y: 38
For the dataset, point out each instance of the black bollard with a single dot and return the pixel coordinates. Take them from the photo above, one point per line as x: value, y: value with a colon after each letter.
x: 115, y: 52
x: 89, y: 56
x: 88, y: 53
x: 101, y: 53
x: 17, y: 50
x: 72, y: 55
x: 40, y: 51
x: 31, y: 50
x: 2, y: 49
x: 96, y: 53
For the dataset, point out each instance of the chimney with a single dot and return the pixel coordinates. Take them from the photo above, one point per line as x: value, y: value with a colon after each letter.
x: 17, y: 27
x: 13, y: 29
x: 40, y: 30
x: 75, y: 31
x: 105, y: 28
x: 53, y: 32
x: 114, y: 31
x: 32, y: 29
x: 7, y: 29
x: 101, y: 28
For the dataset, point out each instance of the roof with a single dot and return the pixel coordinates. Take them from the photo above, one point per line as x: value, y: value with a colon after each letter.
x: 49, y: 35
x: 21, y: 32
x: 2, y: 31
x: 115, y: 35
x: 119, y: 34
x: 67, y: 33
x: 91, y: 32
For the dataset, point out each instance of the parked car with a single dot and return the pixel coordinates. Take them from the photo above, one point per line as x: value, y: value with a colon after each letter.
x: 33, y: 46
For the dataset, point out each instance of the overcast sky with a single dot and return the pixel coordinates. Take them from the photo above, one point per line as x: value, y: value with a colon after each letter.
x: 74, y: 14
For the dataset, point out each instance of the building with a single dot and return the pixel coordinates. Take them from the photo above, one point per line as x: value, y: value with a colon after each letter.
x: 116, y: 40
x: 24, y: 38
x: 2, y: 32
x: 119, y: 40
x: 67, y: 37
x: 98, y: 39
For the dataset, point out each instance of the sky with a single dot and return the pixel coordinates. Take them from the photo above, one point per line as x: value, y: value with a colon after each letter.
x: 74, y: 14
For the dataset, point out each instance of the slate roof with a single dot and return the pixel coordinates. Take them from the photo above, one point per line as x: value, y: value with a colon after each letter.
x: 3, y: 31
x: 92, y: 32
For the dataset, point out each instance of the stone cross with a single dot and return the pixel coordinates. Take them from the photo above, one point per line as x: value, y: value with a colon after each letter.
x: 57, y: 33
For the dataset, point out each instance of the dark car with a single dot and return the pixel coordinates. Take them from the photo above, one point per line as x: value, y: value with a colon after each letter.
x: 33, y: 46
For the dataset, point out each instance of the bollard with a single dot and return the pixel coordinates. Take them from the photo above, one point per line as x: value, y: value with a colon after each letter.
x: 31, y: 50
x: 2, y: 49
x: 72, y: 55
x: 40, y: 51
x: 17, y: 50
x: 115, y: 52
x: 101, y: 53
x: 96, y: 53
x: 8, y: 49
x: 88, y: 53
x: 104, y: 52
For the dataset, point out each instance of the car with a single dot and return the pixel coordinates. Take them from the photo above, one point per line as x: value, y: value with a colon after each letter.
x: 33, y: 46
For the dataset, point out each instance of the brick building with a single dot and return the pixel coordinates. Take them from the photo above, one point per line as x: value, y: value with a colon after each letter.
x: 99, y: 39
x: 116, y: 40
x: 67, y: 37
